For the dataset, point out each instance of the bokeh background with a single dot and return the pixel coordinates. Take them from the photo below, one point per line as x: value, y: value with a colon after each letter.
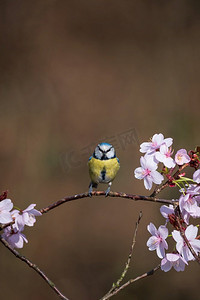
x: 72, y: 74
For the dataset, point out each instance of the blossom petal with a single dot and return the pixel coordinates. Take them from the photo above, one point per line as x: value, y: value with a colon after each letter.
x: 148, y: 182
x: 166, y: 265
x: 139, y: 173
x: 166, y: 210
x: 163, y: 231
x: 159, y: 156
x: 160, y: 250
x: 158, y: 138
x: 169, y: 162
x: 36, y: 212
x: 152, y: 243
x: 5, y: 217
x: 179, y: 266
x: 143, y: 162
x: 168, y: 141
x: 187, y: 255
x: 195, y: 245
x: 6, y: 204
x: 144, y: 147
x: 150, y: 163
x: 176, y: 235
x: 191, y: 232
x: 196, y: 176
x: 152, y: 229
x: 172, y: 257
x: 157, y: 177
x: 30, y: 207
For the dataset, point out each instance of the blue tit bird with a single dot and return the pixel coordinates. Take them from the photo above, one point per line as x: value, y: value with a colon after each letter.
x: 103, y: 166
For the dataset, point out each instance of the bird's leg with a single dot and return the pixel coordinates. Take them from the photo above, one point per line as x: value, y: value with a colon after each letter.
x: 92, y: 184
x: 108, y: 189
x: 90, y: 189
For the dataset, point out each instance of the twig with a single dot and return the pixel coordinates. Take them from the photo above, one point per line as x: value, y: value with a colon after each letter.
x: 116, y: 285
x: 35, y: 267
x: 3, y: 226
x: 177, y: 214
x: 158, y: 189
x: 131, y: 281
x: 131, y: 251
x: 102, y: 193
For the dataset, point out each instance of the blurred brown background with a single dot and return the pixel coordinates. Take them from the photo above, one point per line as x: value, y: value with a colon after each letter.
x: 74, y: 73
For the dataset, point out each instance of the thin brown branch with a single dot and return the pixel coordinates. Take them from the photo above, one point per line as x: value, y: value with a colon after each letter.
x: 116, y: 285
x: 103, y: 193
x: 131, y: 251
x: 115, y: 292
x: 3, y: 226
x: 34, y: 267
x: 182, y: 231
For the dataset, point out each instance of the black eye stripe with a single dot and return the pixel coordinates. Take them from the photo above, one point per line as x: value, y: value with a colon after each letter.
x: 108, y: 149
x: 99, y: 148
x: 104, y: 151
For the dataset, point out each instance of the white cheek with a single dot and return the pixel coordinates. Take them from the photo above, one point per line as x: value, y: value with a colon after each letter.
x: 98, y: 153
x: 111, y: 153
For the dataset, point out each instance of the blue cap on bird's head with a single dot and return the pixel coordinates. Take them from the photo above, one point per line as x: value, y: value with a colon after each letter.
x: 106, y: 144
x: 104, y: 151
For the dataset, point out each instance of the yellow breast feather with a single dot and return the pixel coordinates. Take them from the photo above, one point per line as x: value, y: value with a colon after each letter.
x: 103, y: 170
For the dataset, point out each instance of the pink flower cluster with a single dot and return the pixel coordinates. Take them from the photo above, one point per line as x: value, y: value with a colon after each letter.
x: 189, y: 207
x: 182, y: 256
x: 158, y: 150
x: 19, y: 218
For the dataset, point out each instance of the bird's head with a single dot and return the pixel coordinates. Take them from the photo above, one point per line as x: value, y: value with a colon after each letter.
x: 104, y: 151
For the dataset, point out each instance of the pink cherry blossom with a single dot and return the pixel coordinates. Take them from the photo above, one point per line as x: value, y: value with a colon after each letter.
x: 26, y: 216
x: 14, y: 237
x: 157, y: 140
x: 164, y: 156
x: 189, y: 207
x: 148, y: 172
x: 191, y: 234
x: 166, y: 211
x: 5, y: 207
x: 193, y: 190
x: 157, y: 240
x: 196, y: 176
x: 173, y: 260
x: 186, y: 216
x: 182, y: 157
